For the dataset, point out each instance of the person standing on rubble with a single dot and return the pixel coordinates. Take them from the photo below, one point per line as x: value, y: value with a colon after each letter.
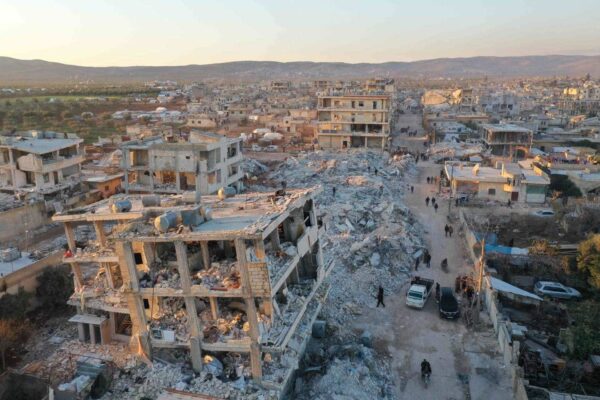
x: 417, y: 262
x: 333, y: 190
x: 375, y: 171
x: 380, y: 297
x: 427, y: 201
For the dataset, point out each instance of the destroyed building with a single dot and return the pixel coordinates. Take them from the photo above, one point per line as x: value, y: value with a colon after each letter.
x: 206, y: 161
x: 240, y: 276
x: 507, y: 140
x: 46, y: 165
x: 353, y: 119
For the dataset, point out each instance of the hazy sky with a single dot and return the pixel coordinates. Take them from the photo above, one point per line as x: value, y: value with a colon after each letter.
x: 176, y: 32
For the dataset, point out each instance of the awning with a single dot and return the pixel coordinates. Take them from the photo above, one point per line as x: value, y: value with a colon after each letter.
x: 511, y: 291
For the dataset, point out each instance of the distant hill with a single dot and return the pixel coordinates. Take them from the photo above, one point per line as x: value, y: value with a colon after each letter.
x: 14, y: 71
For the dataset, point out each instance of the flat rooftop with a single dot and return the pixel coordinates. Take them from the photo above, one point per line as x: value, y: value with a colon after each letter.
x: 505, y: 128
x: 244, y: 215
x: 42, y: 146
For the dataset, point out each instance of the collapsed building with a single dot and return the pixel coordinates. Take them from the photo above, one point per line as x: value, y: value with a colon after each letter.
x: 238, y: 278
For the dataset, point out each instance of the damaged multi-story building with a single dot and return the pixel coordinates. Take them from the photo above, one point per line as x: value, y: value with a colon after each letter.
x: 210, y: 275
x: 45, y: 165
x: 354, y: 118
x: 207, y: 161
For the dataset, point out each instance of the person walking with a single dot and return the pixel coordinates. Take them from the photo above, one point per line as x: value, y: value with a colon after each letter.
x: 380, y: 297
x: 417, y: 262
x: 428, y: 180
x: 435, y: 207
x: 450, y: 230
x: 509, y: 204
x: 446, y: 230
x: 412, y: 189
x: 437, y: 292
x: 427, y: 259
x: 427, y: 201
x: 433, y: 200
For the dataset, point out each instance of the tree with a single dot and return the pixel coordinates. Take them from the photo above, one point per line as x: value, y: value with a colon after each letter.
x: 14, y: 306
x: 55, y: 287
x: 588, y: 259
x: 564, y: 185
x: 10, y: 333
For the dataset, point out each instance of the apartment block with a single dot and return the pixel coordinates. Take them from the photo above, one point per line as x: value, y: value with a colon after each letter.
x: 353, y: 119
x: 207, y: 276
x: 44, y: 163
x: 507, y: 140
x: 207, y: 161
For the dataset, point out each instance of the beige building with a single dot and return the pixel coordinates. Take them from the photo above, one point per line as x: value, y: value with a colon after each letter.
x: 353, y: 120
x: 44, y: 163
x: 242, y: 275
x: 207, y: 161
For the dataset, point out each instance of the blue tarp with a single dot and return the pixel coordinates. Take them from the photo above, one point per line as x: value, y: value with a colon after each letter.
x: 509, y: 251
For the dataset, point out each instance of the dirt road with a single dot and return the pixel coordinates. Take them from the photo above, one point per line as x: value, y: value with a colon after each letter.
x: 466, y: 364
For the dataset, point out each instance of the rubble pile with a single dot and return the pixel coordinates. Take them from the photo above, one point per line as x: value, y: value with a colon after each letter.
x: 370, y: 235
x: 365, y: 218
x: 226, y: 379
x: 222, y: 274
x: 353, y: 372
x: 171, y: 319
x: 253, y: 167
x: 295, y: 296
x: 277, y: 260
x: 231, y: 325
x: 451, y: 150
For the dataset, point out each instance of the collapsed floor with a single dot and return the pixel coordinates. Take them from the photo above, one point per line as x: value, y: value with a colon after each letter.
x: 372, y: 236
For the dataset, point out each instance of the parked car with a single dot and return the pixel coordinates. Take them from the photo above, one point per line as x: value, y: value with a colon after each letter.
x: 544, y: 213
x: 272, y: 147
x: 418, y: 292
x: 448, y: 304
x: 555, y: 290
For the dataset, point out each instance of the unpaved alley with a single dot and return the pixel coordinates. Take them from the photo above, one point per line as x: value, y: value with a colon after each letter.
x: 466, y: 363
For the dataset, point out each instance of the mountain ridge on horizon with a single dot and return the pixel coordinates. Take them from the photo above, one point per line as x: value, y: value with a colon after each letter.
x: 17, y: 71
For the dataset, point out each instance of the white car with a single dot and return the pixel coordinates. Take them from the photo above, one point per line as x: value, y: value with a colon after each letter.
x: 544, y: 213
x: 555, y: 290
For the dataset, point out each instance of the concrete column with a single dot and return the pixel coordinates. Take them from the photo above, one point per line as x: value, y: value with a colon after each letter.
x: 109, y: 276
x: 274, y: 237
x: 13, y: 170
x: 205, y: 255
x: 177, y: 182
x: 77, y: 275
x: 259, y: 249
x: 81, y: 331
x: 92, y: 333
x: 214, y: 307
x: 70, y: 233
x: 255, y: 361
x: 129, y: 270
x: 195, y: 333
x: 100, y: 234
x: 148, y: 254
x: 183, y: 266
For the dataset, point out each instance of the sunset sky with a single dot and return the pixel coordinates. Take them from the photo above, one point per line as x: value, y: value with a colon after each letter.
x: 177, y: 32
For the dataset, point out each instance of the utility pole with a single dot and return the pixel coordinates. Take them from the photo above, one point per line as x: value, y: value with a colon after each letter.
x: 479, y: 283
x: 450, y: 197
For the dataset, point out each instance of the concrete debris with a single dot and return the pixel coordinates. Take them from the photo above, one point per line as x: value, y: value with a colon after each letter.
x: 451, y: 150
x: 364, y: 219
